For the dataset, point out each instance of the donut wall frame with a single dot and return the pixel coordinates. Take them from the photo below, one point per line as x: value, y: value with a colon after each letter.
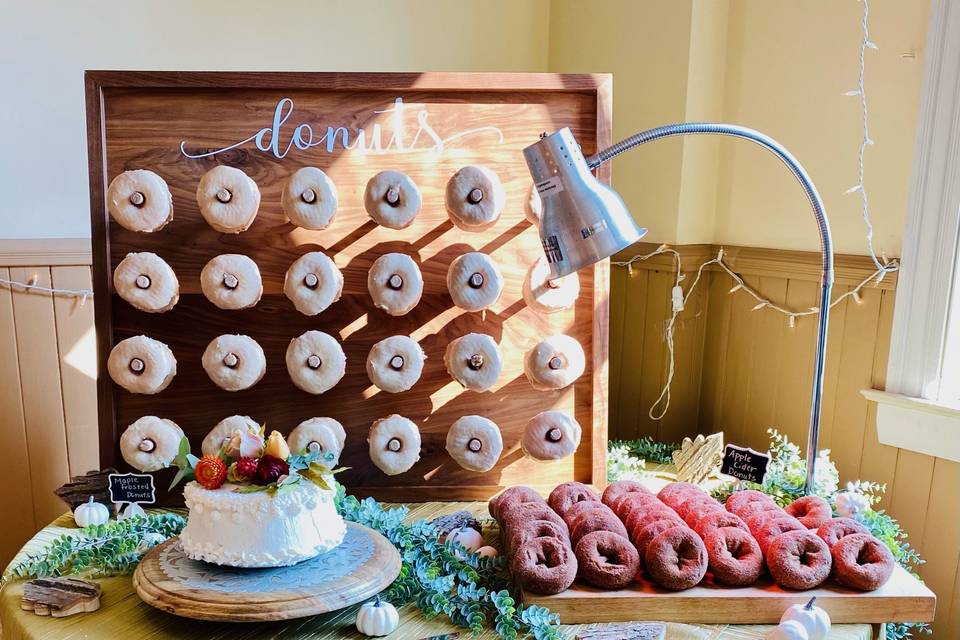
x: 269, y: 125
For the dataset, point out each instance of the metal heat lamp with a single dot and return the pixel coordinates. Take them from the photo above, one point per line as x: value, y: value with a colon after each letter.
x: 585, y: 221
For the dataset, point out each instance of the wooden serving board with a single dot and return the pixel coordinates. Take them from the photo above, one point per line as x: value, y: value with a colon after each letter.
x: 180, y: 125
x: 362, y: 566
x: 902, y: 599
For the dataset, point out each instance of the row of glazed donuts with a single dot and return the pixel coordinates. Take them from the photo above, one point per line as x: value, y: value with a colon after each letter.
x: 314, y: 282
x: 316, y: 362
x: 229, y: 199
x: 474, y: 442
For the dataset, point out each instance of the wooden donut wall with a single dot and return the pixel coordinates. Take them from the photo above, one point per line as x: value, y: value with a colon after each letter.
x: 139, y: 120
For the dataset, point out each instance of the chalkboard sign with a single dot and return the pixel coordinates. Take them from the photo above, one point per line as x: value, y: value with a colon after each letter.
x: 744, y: 463
x: 132, y: 487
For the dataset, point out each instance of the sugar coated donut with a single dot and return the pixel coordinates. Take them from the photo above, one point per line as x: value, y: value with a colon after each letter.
x: 322, y: 434
x: 606, y: 560
x: 643, y: 517
x: 643, y: 534
x: 394, y: 364
x: 615, y: 489
x: 395, y: 283
x: 798, y: 560
x: 147, y: 282
x: 392, y: 199
x: 524, y: 530
x: 596, y: 520
x: 224, y: 431
x: 309, y: 199
x: 676, y: 492
x: 554, y: 363
x: 812, y: 511
x: 579, y: 508
x: 751, y: 509
x: 719, y: 520
x: 568, y: 494
x: 474, y: 281
x: 546, y: 295
x: 231, y: 281
x: 695, y: 502
x: 474, y: 361
x: 693, y: 515
x: 551, y: 435
x: 624, y: 504
x: 512, y: 495
x: 228, y: 198
x: 234, y: 362
x: 474, y: 442
x: 313, y: 283
x: 315, y: 361
x: 142, y: 365
x: 861, y: 562
x: 140, y: 200
x: 738, y: 499
x: 534, y: 206
x: 544, y: 565
x: 760, y: 518
x: 151, y: 443
x: 474, y: 198
x: 514, y: 514
x: 676, y: 559
x: 774, y: 528
x: 734, y: 556
x: 836, y: 529
x: 394, y: 444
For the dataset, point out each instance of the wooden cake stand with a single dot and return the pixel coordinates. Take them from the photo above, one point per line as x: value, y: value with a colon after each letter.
x: 359, y: 568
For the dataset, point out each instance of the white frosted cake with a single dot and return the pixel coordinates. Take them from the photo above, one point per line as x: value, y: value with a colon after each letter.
x: 260, y: 529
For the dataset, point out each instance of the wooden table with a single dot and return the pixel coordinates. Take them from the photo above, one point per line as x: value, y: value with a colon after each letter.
x: 124, y: 615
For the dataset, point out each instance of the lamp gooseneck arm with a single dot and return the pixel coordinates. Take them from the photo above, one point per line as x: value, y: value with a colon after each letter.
x: 823, y: 225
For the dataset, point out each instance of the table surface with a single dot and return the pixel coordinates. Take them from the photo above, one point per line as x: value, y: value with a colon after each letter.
x: 123, y: 615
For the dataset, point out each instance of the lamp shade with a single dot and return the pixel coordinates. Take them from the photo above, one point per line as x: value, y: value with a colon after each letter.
x: 583, y: 220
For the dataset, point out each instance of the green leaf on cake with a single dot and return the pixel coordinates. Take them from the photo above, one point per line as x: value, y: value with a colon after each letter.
x: 317, y: 474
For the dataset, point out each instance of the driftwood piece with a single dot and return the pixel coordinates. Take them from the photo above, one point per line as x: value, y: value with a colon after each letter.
x: 457, y: 520
x: 627, y: 631
x: 696, y: 459
x: 80, y: 488
x: 60, y: 597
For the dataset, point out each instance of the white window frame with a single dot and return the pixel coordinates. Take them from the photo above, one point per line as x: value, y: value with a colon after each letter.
x: 912, y: 412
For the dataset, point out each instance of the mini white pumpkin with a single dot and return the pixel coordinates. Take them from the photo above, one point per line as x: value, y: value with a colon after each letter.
x: 488, y: 552
x: 789, y: 630
x: 132, y: 510
x: 91, y: 513
x: 377, y: 618
x: 468, y: 537
x: 815, y: 621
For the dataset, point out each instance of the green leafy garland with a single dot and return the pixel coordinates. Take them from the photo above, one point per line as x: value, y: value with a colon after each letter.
x: 443, y: 578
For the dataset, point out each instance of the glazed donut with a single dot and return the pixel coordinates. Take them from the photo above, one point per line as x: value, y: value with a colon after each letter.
x: 395, y: 283
x: 474, y: 442
x: 224, y: 430
x: 151, y: 443
x: 568, y: 494
x: 719, y: 520
x: 615, y: 489
x: 734, y: 556
x: 474, y: 361
x: 147, y: 282
x: 544, y: 565
x: 676, y: 559
x: 394, y: 444
x: 323, y: 434
x: 534, y: 208
x: 313, y: 282
x: 861, y: 562
x: 554, y: 363
x: 551, y: 435
x: 774, y: 528
x: 642, y: 535
x: 392, y: 199
x: 798, y: 560
x: 474, y: 281
x: 140, y: 200
x: 474, y: 198
x: 231, y: 281
x: 309, y: 199
x: 546, y: 295
x: 596, y: 520
x: 315, y: 361
x: 142, y: 365
x: 228, y: 199
x: 836, y: 529
x: 395, y: 363
x: 510, y: 496
x: 234, y: 362
x: 811, y: 511
x: 606, y: 560
x: 675, y: 493
x: 579, y: 508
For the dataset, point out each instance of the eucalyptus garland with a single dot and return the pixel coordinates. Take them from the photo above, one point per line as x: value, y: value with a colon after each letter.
x: 443, y: 578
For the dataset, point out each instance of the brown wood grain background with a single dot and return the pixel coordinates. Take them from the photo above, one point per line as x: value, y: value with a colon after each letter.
x: 138, y: 121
